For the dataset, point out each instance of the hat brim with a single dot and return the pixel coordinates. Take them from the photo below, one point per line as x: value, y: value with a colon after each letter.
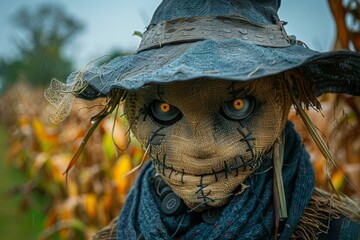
x: 232, y: 59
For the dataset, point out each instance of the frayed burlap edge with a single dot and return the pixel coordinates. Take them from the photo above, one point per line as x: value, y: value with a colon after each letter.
x: 108, y: 232
x: 305, y: 90
x: 322, y: 208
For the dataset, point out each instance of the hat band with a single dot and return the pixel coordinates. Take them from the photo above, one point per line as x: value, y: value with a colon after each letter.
x: 194, y: 29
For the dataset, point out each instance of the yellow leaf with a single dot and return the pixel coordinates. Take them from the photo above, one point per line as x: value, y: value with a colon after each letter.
x: 39, y: 129
x: 108, y: 147
x: 122, y: 166
x: 108, y: 200
x: 137, y: 154
x: 45, y: 140
x: 90, y: 204
x: 23, y: 121
x: 72, y: 188
x: 57, y: 165
x: 117, y: 133
x: 50, y: 217
x: 338, y: 179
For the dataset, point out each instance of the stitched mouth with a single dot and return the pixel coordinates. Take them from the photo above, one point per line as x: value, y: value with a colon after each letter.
x: 214, y: 165
x: 235, y: 167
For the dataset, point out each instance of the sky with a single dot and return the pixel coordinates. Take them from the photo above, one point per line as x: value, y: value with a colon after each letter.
x: 109, y: 24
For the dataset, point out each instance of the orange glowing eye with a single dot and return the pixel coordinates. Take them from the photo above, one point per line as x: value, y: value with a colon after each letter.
x: 164, y: 113
x: 165, y: 107
x: 238, y: 104
x: 238, y: 108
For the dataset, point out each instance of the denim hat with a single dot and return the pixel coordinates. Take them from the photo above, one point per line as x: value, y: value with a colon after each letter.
x: 236, y: 40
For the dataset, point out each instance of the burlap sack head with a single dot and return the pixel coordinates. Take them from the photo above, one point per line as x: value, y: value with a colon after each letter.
x: 206, y: 136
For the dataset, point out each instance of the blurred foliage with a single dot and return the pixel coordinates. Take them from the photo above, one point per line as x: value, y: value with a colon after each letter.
x: 113, y: 54
x: 339, y: 125
x: 339, y: 121
x: 95, y: 189
x: 347, y: 19
x: 44, y: 34
x: 11, y: 216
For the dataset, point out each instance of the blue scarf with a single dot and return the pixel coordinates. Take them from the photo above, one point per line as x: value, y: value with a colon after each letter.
x: 247, y: 216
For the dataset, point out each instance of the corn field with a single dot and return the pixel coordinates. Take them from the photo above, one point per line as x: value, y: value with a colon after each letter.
x: 95, y: 190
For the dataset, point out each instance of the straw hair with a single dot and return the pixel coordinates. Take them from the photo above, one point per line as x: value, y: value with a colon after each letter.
x: 303, y: 96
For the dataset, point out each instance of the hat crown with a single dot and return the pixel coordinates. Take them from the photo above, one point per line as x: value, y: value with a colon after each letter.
x: 262, y: 12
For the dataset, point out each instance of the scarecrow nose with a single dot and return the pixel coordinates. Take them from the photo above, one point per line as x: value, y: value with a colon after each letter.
x: 202, y: 129
x: 204, y: 152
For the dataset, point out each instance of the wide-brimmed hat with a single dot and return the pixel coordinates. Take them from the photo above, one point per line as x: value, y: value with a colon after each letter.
x: 232, y: 40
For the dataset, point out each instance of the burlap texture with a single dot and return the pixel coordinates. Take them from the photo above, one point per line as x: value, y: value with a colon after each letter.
x: 204, y: 157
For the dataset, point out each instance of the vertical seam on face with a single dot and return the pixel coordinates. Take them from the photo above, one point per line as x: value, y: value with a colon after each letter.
x: 201, y: 191
x: 231, y: 89
x: 172, y: 171
x: 226, y: 170
x: 246, y: 139
x: 164, y: 164
x: 157, y: 160
x: 156, y: 134
x: 214, y: 172
x: 182, y: 176
x: 159, y: 93
x: 145, y: 111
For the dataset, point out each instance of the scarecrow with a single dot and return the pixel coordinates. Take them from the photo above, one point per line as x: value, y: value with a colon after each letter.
x: 208, y: 94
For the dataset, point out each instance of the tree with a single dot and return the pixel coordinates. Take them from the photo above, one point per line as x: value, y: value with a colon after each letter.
x: 46, y: 31
x: 347, y: 19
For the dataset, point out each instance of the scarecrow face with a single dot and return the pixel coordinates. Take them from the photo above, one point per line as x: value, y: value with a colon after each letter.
x: 206, y: 136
